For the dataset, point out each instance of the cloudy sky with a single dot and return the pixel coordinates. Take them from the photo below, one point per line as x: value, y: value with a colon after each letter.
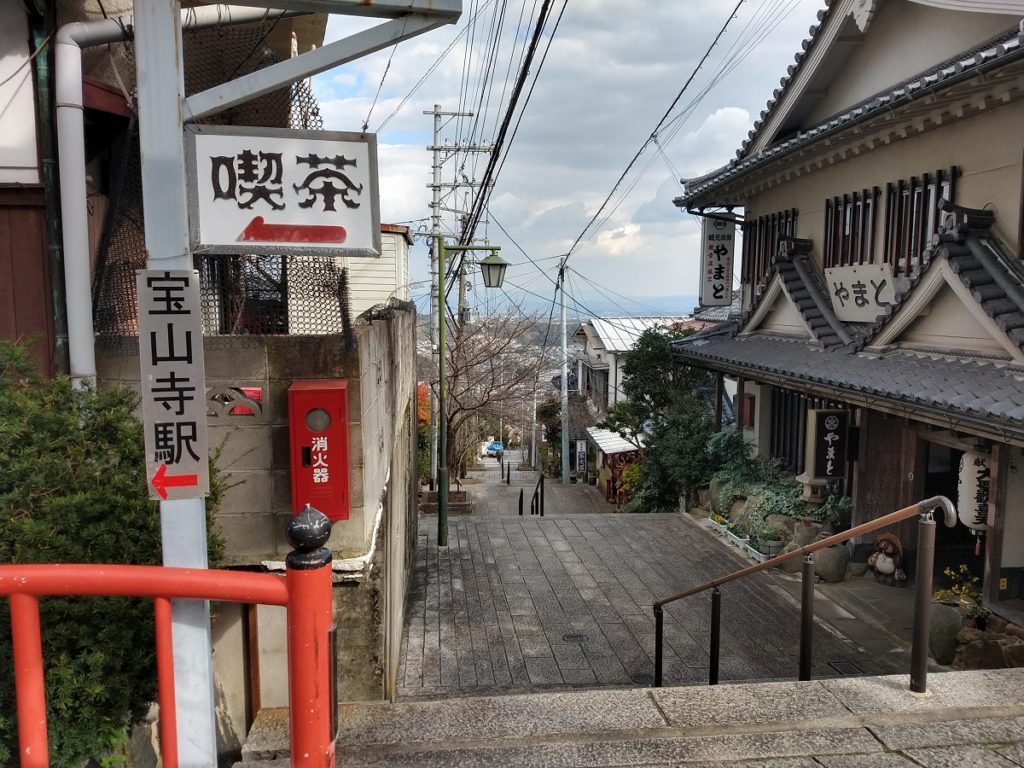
x: 611, y: 72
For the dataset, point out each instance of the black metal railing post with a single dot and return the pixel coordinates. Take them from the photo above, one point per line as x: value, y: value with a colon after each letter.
x: 520, y: 502
x: 509, y: 480
x: 659, y: 622
x: 542, y: 495
x: 716, y: 635
x: 806, y: 616
x: 922, y: 602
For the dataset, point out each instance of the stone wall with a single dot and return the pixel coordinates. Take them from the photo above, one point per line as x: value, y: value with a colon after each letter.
x: 247, y: 392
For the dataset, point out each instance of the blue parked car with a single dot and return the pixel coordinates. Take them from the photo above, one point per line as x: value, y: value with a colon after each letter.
x: 494, y: 449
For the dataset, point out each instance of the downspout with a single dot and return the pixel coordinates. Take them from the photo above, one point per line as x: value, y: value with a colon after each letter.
x: 38, y: 24
x: 70, y: 40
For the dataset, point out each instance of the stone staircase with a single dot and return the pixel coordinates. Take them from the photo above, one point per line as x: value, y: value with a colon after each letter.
x: 966, y: 719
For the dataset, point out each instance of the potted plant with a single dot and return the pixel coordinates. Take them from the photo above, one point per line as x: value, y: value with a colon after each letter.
x: 978, y: 615
x: 737, y: 536
x: 770, y: 542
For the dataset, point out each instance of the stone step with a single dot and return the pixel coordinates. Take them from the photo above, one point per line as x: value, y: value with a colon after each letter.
x: 965, y: 719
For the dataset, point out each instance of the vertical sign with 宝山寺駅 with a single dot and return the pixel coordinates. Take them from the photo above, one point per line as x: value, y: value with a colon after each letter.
x: 581, y: 456
x: 827, y: 433
x: 718, y: 240
x: 173, y: 383
x: 276, y: 191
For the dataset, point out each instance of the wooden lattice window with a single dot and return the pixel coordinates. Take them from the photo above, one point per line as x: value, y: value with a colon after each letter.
x: 912, y: 216
x: 761, y: 241
x: 850, y: 228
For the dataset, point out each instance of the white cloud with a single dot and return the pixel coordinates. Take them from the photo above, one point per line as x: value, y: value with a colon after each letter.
x: 610, y: 74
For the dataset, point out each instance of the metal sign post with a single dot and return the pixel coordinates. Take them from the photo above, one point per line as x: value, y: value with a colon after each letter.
x: 163, y: 110
x: 183, y: 520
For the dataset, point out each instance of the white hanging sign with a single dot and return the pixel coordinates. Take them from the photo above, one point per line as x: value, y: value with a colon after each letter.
x: 718, y: 244
x: 973, y: 491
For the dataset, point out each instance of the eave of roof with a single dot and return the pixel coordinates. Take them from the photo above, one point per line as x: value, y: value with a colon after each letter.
x: 1001, y: 51
x: 940, y: 387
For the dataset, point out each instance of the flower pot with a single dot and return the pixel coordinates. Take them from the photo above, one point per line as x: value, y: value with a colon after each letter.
x: 756, y: 554
x: 771, y: 547
x: 739, y: 541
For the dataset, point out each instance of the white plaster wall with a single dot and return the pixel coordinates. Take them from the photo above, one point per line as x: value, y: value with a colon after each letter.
x: 987, y: 148
x: 905, y: 39
x: 1013, y: 524
x: 19, y: 162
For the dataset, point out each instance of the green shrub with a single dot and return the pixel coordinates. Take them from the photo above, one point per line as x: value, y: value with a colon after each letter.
x: 73, y: 489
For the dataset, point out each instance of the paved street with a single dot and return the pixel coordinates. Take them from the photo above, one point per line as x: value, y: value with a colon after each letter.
x: 525, y: 603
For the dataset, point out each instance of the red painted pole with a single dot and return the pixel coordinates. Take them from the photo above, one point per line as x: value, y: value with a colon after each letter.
x: 165, y: 682
x: 29, y: 685
x: 312, y: 695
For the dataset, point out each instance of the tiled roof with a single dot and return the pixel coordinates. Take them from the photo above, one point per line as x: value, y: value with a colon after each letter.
x: 619, y: 334
x: 988, y: 391
x: 1001, y: 50
x: 720, y: 314
x: 988, y: 269
x: 610, y: 442
x: 805, y: 285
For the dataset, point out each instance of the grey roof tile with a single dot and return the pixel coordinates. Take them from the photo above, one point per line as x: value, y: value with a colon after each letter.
x: 1005, y: 46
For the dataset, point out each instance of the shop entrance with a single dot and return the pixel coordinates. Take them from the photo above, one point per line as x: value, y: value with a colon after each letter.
x: 953, y: 546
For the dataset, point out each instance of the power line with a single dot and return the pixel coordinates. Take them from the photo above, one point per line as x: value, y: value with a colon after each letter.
x: 647, y: 141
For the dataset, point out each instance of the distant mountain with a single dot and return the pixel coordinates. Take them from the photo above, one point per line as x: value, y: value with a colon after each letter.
x: 600, y: 306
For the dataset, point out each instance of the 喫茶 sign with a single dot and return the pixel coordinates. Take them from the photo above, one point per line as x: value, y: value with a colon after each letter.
x: 278, y: 191
x: 173, y: 383
x: 718, y: 243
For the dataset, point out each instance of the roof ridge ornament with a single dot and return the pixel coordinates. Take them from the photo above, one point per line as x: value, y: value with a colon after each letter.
x: 863, y: 11
x: 958, y: 220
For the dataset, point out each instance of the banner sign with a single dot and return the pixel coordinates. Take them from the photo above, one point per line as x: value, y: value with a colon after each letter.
x: 827, y: 439
x: 973, y: 491
x: 277, y: 191
x: 861, y: 293
x: 718, y: 243
x: 173, y: 383
x: 581, y: 456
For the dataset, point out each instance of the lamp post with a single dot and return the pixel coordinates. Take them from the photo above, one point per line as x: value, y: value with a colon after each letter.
x: 496, y: 273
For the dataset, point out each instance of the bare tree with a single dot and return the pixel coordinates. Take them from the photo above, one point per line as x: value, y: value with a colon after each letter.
x: 493, y: 367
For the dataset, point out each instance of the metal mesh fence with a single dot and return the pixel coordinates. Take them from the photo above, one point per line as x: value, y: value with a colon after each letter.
x: 242, y: 294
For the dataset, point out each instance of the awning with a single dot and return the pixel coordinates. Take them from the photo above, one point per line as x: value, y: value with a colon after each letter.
x: 609, y: 442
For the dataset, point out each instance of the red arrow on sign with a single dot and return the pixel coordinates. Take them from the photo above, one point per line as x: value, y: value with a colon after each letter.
x: 162, y: 481
x: 259, y: 230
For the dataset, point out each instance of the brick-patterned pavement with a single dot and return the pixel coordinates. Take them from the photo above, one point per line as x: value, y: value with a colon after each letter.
x: 523, y: 603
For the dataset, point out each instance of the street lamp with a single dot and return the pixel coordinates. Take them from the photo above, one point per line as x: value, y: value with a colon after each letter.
x: 443, y: 250
x: 492, y: 269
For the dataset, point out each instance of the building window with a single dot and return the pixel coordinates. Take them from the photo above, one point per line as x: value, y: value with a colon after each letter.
x: 850, y: 229
x: 761, y: 243
x: 912, y: 216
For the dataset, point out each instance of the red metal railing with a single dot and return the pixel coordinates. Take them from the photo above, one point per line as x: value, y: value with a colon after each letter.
x: 305, y: 590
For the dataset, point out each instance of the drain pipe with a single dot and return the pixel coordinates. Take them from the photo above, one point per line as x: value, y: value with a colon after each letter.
x: 70, y: 40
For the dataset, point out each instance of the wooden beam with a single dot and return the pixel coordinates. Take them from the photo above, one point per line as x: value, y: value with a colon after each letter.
x: 999, y: 466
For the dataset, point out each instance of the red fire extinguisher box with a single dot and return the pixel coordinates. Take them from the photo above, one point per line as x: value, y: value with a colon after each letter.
x: 318, y: 428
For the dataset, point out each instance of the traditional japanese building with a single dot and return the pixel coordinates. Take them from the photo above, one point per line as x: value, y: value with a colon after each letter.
x: 880, y: 198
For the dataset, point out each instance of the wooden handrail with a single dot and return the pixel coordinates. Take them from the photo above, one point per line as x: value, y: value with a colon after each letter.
x: 920, y: 508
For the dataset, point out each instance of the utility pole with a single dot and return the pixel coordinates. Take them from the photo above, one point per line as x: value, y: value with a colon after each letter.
x: 441, y: 153
x: 565, y: 383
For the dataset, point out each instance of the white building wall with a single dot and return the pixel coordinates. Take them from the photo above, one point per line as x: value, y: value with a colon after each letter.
x: 19, y: 156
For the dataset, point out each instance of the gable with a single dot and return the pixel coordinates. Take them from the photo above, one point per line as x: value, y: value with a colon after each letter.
x: 904, y: 40
x: 776, y: 313
x: 941, y: 314
x: 946, y: 323
x: 862, y: 48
